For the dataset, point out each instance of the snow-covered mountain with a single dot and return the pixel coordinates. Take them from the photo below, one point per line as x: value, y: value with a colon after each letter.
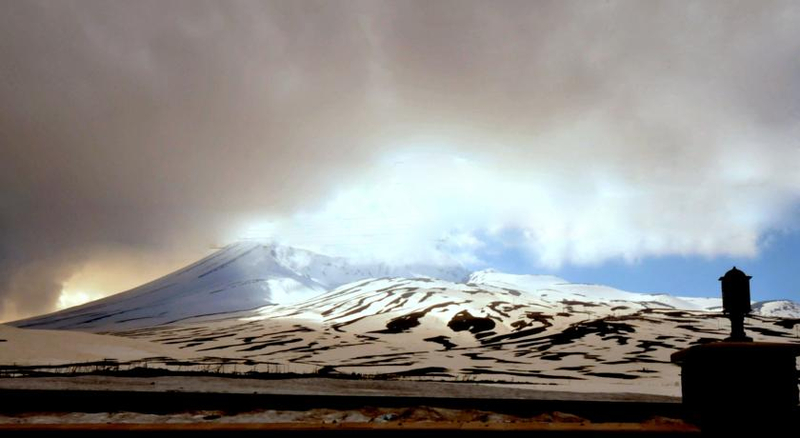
x: 248, y: 276
x: 558, y: 288
x: 266, y: 308
x: 533, y: 329
x: 240, y: 277
x: 777, y: 308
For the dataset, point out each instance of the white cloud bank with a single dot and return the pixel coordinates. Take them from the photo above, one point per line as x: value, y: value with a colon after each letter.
x: 413, y: 129
x: 574, y: 209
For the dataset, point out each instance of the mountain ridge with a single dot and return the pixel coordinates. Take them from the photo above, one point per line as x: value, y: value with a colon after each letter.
x: 248, y: 276
x: 489, y: 325
x: 239, y: 277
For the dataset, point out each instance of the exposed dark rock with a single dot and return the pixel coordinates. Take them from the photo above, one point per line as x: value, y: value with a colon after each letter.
x: 406, y: 322
x: 613, y: 375
x: 465, y: 321
x: 442, y: 340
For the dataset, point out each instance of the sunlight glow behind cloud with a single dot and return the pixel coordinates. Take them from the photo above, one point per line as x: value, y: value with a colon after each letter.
x: 74, y: 297
x: 116, y: 271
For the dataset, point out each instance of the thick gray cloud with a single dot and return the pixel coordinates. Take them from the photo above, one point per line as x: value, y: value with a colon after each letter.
x: 153, y: 126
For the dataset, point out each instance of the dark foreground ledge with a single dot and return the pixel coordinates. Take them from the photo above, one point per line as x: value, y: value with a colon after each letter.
x: 599, y: 415
x: 424, y: 429
x: 165, y: 395
x: 17, y: 402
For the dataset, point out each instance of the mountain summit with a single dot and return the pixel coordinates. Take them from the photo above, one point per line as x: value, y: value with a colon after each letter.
x: 239, y: 277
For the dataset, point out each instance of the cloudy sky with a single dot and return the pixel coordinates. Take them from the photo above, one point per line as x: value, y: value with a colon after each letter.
x: 647, y: 145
